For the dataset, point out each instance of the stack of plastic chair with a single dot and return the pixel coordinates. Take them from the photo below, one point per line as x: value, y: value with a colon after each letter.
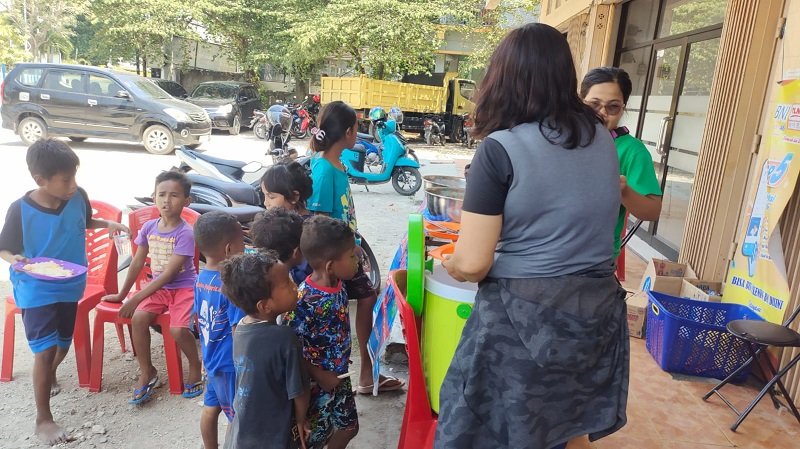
x: 101, y: 279
x: 106, y: 312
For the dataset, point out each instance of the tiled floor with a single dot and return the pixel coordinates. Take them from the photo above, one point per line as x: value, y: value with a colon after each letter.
x: 665, y: 413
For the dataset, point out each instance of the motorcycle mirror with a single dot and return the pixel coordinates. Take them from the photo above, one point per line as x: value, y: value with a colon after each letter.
x: 252, y: 167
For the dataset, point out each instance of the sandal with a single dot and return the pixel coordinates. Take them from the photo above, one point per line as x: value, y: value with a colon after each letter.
x: 383, y: 386
x: 142, y: 394
x: 192, y: 390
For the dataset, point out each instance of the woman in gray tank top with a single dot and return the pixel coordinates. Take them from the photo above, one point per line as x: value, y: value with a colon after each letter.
x: 544, y: 356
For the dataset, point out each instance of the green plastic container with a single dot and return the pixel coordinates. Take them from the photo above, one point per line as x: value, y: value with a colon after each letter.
x: 448, y: 303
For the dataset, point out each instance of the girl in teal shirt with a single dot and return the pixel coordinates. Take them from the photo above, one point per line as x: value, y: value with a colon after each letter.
x: 606, y: 90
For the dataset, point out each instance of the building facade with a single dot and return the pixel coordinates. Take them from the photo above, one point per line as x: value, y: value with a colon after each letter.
x: 703, y: 73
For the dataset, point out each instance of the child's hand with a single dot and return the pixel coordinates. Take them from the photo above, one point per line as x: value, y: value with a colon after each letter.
x: 128, y: 308
x: 328, y: 381
x: 113, y: 227
x: 19, y: 258
x: 304, y: 430
x: 116, y: 297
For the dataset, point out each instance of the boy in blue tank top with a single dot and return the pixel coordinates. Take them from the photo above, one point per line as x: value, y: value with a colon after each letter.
x: 50, y: 221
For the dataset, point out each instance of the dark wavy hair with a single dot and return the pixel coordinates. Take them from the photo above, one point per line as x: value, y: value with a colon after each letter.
x: 325, y: 239
x: 334, y: 121
x: 285, y: 179
x: 602, y: 75
x: 531, y: 78
x: 279, y: 230
x: 245, y: 279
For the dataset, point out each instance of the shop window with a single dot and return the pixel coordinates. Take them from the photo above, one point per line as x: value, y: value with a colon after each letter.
x: 681, y: 16
x: 640, y: 25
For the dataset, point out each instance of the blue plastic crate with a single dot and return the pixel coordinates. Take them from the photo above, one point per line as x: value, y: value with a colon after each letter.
x: 689, y: 337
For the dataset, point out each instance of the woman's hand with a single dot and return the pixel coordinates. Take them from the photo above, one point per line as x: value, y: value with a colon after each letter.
x: 623, y: 183
x: 448, y: 265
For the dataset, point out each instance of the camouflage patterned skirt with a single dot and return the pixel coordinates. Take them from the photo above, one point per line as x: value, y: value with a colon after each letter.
x: 540, y: 361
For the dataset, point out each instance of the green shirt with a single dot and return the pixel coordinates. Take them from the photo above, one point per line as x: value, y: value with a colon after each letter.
x: 636, y: 164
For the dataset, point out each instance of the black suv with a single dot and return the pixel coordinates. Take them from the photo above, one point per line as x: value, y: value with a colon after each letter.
x: 41, y: 100
x: 230, y: 104
x: 171, y: 87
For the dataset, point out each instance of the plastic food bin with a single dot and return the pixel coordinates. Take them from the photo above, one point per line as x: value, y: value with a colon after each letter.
x: 448, y: 303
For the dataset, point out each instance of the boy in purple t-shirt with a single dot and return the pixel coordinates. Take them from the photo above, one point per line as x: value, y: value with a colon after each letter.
x: 169, y: 243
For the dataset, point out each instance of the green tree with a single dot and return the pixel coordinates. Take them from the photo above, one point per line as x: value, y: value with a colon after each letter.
x: 139, y: 29
x: 12, y: 43
x: 490, y: 26
x: 383, y: 38
x: 245, y: 27
x: 46, y: 25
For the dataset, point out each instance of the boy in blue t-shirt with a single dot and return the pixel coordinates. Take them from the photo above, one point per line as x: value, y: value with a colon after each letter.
x: 50, y: 221
x: 219, y: 236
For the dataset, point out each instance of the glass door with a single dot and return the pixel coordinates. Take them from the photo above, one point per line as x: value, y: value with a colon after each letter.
x: 671, y: 127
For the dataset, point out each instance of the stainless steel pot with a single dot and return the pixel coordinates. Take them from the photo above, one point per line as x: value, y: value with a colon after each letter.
x: 445, y: 203
x: 431, y: 181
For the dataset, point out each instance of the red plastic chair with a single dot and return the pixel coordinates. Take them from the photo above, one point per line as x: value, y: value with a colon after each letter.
x: 101, y: 279
x: 419, y: 420
x: 106, y: 312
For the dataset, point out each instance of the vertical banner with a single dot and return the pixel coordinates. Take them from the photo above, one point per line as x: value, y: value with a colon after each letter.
x: 757, y: 275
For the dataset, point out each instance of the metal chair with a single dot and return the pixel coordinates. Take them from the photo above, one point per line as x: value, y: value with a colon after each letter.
x: 761, y: 335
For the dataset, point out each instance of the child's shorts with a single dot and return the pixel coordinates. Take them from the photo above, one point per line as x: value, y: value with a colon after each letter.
x: 178, y: 302
x: 220, y: 391
x: 50, y: 325
x: 360, y: 286
x: 329, y: 412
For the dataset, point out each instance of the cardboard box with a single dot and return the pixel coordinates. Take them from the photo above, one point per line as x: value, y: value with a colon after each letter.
x: 666, y: 277
x: 708, y: 291
x: 637, y: 314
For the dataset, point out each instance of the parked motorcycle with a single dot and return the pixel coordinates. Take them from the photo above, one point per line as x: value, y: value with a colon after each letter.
x: 397, y: 166
x: 279, y: 122
x: 434, y: 131
x: 466, y: 130
x: 259, y: 124
x: 218, y: 184
x: 302, y: 122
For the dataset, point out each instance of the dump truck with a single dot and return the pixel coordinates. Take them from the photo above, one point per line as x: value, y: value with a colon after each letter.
x: 442, y: 97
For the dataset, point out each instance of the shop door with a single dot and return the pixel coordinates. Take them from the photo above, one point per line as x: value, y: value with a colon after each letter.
x: 672, y: 122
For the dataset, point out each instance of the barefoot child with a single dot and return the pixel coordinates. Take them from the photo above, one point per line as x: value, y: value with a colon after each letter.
x: 272, y: 382
x: 322, y: 322
x: 50, y: 221
x: 331, y: 196
x: 219, y: 237
x: 169, y: 242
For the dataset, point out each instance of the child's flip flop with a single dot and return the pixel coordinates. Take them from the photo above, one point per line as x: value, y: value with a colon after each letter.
x: 142, y: 394
x: 192, y: 390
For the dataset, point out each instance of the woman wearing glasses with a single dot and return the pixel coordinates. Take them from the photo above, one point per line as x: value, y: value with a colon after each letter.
x: 606, y: 90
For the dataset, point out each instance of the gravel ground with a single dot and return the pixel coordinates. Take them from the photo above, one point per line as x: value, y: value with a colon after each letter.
x: 115, y: 172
